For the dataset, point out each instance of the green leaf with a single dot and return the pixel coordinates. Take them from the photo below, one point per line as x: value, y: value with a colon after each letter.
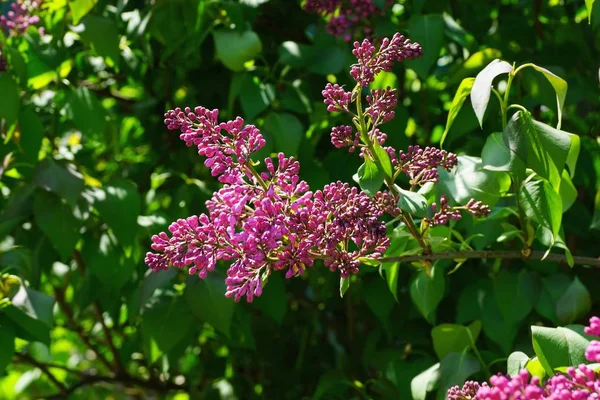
x: 80, y: 8
x: 574, y: 304
x: 553, y: 288
x: 494, y: 326
x: 344, y: 285
x: 470, y: 180
x: 102, y: 35
x: 119, y: 206
x: 463, y: 91
x: 542, y: 148
x: 370, y: 178
x: 35, y: 304
x: 559, y: 347
x: 455, y: 368
x: 567, y: 191
x: 595, y: 224
x: 495, y: 156
x: 516, y: 294
x: 86, y: 112
x: 65, y: 182
x: 7, y: 345
x: 391, y: 276
x: 207, y: 301
x: 573, y: 153
x: 273, y: 302
x: 560, y: 88
x: 56, y: 220
x: 234, y: 49
x: 456, y: 32
x: 426, y: 291
x: 9, y: 100
x: 24, y: 326
x: 412, y: 202
x: 426, y: 381
x: 384, y: 159
x: 294, y: 54
x: 327, y: 59
x: 287, y: 132
x: 482, y: 87
x: 32, y: 133
x: 449, y: 338
x: 541, y: 203
x: 589, y: 5
x: 535, y: 368
x: 255, y: 97
x: 428, y: 31
x: 166, y: 323
x: 107, y: 261
x: 378, y: 299
x: 516, y: 362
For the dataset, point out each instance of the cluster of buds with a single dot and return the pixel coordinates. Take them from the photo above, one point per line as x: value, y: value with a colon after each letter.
x: 577, y: 383
x: 443, y: 213
x: 20, y: 17
x: 347, y: 18
x: 263, y: 221
x: 421, y: 165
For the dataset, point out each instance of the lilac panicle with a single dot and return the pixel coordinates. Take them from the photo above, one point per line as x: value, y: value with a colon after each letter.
x: 336, y: 98
x: 347, y: 17
x: 577, y: 383
x: 372, y: 61
x: 264, y: 221
x: 382, y: 104
x: 19, y: 18
x: 421, y: 165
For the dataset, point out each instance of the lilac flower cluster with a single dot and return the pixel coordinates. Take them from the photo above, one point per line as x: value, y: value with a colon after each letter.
x: 19, y: 18
x: 347, y: 17
x: 263, y: 221
x: 372, y: 61
x: 577, y: 383
x: 421, y: 165
x: 443, y: 212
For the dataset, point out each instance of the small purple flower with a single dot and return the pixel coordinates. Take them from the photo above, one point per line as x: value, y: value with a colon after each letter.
x: 421, y: 165
x: 444, y: 212
x: 594, y: 328
x: 344, y: 136
x: 19, y: 18
x: 477, y: 208
x: 371, y: 62
x: 467, y: 392
x: 382, y: 104
x: 336, y: 98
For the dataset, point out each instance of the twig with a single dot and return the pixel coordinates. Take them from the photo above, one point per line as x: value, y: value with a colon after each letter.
x: 44, y: 368
x: 25, y: 358
x: 108, y: 335
x: 494, y: 254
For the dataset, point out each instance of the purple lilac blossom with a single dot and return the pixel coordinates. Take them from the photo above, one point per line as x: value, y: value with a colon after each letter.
x: 19, y: 18
x: 263, y: 221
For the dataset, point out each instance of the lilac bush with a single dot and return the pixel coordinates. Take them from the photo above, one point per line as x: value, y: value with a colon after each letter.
x: 270, y: 220
x: 20, y: 17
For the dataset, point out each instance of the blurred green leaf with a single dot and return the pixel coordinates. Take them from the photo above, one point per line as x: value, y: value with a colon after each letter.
x: 426, y: 381
x: 119, y: 206
x: 428, y: 31
x: 495, y: 156
x: 65, y: 182
x: 516, y: 294
x: 574, y: 304
x: 56, y: 220
x: 295, y: 54
x: 344, y: 285
x: 274, y: 300
x: 35, y: 304
x: 102, y: 34
x: 107, y: 261
x: 449, y: 338
x: 255, y: 97
x: 7, y: 345
x: 287, y: 132
x: 24, y: 326
x: 9, y: 101
x: 379, y: 299
x: 412, y: 202
x: 516, y: 363
x: 560, y: 87
x: 207, y: 301
x: 455, y: 368
x: 86, y: 112
x: 427, y: 290
x: 80, y: 8
x: 234, y: 49
x: 32, y: 133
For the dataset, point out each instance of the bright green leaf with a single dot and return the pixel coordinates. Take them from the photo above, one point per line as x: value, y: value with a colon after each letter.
x: 80, y: 8
x: 559, y: 347
x: 541, y: 203
x: 427, y: 291
x: 370, y: 178
x: 449, y: 338
x: 461, y: 95
x: 560, y: 87
x: 482, y: 87
x: 516, y: 363
x: 344, y: 285
x: 426, y: 381
x: 412, y: 202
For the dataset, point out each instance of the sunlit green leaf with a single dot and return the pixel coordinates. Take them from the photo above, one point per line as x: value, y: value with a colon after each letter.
x: 482, y: 87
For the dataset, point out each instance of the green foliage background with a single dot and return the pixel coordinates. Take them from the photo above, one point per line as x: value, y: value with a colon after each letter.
x: 90, y: 172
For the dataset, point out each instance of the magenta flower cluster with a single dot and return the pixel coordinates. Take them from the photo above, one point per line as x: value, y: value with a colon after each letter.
x: 19, y: 18
x: 347, y: 18
x: 421, y: 165
x: 577, y: 383
x: 263, y: 221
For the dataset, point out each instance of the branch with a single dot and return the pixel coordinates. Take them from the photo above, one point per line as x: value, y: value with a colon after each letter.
x: 107, y: 334
x: 124, y: 379
x: 493, y: 254
x: 44, y: 368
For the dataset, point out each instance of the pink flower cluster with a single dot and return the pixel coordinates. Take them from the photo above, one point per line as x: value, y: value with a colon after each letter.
x: 578, y: 383
x: 263, y: 221
x: 347, y: 17
x: 19, y: 18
